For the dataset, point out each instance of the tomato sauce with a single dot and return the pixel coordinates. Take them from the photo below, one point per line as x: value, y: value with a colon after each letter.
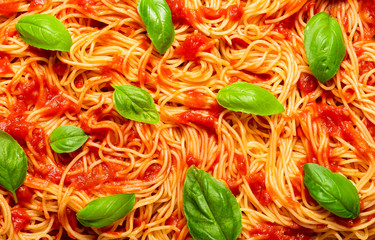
x: 213, y: 14
x: 36, y: 5
x: 20, y: 218
x: 258, y: 187
x: 235, y: 12
x: 193, y: 44
x: 233, y: 186
x: 24, y: 195
x: 241, y: 166
x: 367, y: 13
x: 347, y: 222
x: 151, y: 172
x: 307, y: 83
x: 273, y: 231
x: 208, y: 121
x: 191, y: 160
x: 49, y: 172
x: 60, y: 68
x: 5, y: 63
x: 176, y: 221
x: 9, y: 7
x: 285, y: 26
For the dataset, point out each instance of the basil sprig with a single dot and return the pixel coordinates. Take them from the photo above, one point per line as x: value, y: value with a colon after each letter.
x: 104, y: 211
x: 249, y: 98
x: 332, y: 191
x: 324, y: 46
x: 44, y: 31
x: 13, y: 164
x: 67, y: 138
x: 157, y: 17
x: 211, y: 210
x: 135, y: 103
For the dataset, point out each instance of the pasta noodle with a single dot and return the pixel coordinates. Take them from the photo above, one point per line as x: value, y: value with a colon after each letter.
x: 217, y: 42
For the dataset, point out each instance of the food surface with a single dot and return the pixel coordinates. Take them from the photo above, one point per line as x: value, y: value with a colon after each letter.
x: 106, y: 104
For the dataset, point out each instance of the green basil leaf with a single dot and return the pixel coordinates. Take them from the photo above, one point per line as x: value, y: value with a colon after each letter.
x: 67, y: 138
x: 249, y: 98
x: 324, y: 46
x: 44, y: 31
x: 157, y: 17
x: 211, y: 210
x: 332, y: 191
x: 13, y: 164
x: 104, y: 211
x: 135, y: 104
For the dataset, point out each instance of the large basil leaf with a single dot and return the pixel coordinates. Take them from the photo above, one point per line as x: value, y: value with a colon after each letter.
x: 249, y: 98
x: 13, y: 164
x: 67, y: 138
x: 332, y: 191
x: 157, y: 17
x: 324, y: 46
x: 211, y: 210
x: 106, y: 210
x: 135, y: 104
x: 44, y: 31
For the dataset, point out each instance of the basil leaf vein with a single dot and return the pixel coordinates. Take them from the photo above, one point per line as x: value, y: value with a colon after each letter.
x: 67, y: 138
x: 44, y: 31
x: 104, y: 211
x: 332, y: 191
x: 157, y: 17
x: 211, y: 210
x: 13, y: 164
x: 249, y: 98
x: 135, y: 104
x: 324, y: 46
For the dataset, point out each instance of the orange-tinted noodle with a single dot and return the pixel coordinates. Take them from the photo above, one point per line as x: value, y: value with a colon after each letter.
x: 216, y: 43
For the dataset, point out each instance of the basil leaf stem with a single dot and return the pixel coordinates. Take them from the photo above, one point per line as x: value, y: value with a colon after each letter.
x: 104, y: 211
x: 44, y: 31
x: 13, y: 164
x: 67, y: 138
x: 135, y: 104
x: 249, y: 98
x: 157, y: 17
x: 211, y: 210
x: 332, y: 191
x: 324, y: 46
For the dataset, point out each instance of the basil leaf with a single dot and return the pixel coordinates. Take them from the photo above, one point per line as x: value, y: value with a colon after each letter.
x: 332, y: 191
x: 249, y: 98
x: 157, y: 17
x: 135, y: 104
x: 324, y: 46
x: 211, y: 210
x: 67, y: 138
x: 44, y: 31
x: 13, y: 164
x: 106, y: 210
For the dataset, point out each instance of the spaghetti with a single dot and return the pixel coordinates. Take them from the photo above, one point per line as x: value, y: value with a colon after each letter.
x: 216, y: 43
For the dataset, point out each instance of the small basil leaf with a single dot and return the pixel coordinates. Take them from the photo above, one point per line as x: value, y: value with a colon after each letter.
x: 104, y: 211
x: 324, y: 46
x: 135, y: 104
x: 13, y: 164
x: 211, y: 210
x: 332, y: 191
x: 157, y: 17
x: 67, y: 138
x: 249, y: 98
x: 44, y: 31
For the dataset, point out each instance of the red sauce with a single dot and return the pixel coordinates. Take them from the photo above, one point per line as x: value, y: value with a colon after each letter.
x: 190, y: 160
x: 49, y: 172
x: 17, y: 126
x: 20, y: 218
x: 193, y: 44
x: 239, y: 43
x: 258, y: 187
x: 24, y: 194
x: 36, y: 5
x: 271, y: 231
x: 240, y: 164
x: 97, y: 132
x: 307, y: 83
x: 367, y: 13
x: 86, y: 5
x: 60, y: 68
x: 151, y: 172
x: 337, y: 123
x: 73, y: 222
x: 233, y: 186
x: 197, y: 100
x: 180, y: 14
x: 285, y: 26
x: 235, y: 12
x: 370, y: 217
x: 196, y: 117
x: 370, y: 127
x: 174, y: 220
x: 347, y: 222
x: 8, y: 8
x: 4, y: 62
x: 213, y: 14
x: 365, y: 66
